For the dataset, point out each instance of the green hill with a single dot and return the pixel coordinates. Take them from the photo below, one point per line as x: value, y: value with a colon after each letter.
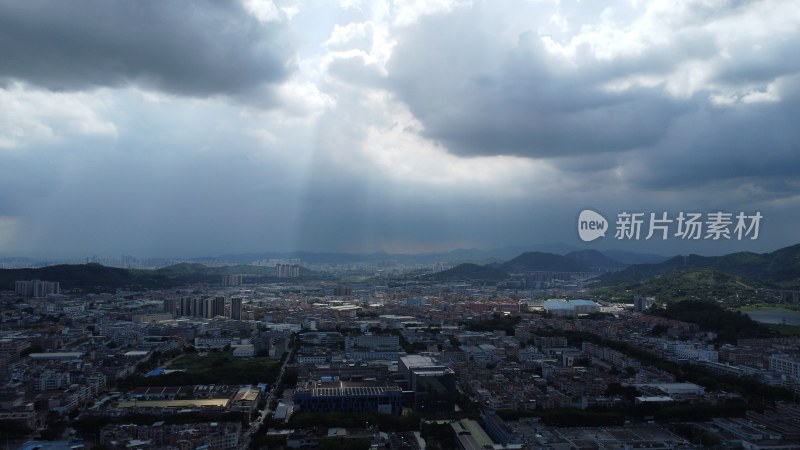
x: 779, y: 269
x: 728, y: 325
x: 594, y: 259
x: 526, y: 262
x: 94, y: 277
x: 469, y: 272
x: 692, y: 284
x: 542, y: 262
x: 91, y: 277
x: 198, y: 273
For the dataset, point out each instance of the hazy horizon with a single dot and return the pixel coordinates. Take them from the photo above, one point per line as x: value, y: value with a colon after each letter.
x: 552, y: 247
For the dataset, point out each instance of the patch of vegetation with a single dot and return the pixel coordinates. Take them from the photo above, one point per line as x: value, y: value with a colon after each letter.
x: 693, y: 284
x: 542, y: 261
x: 90, y: 277
x: 757, y: 306
x: 471, y: 272
x: 438, y: 435
x: 729, y: 325
x: 95, y: 277
x: 497, y: 322
x: 783, y: 329
x: 695, y: 434
x: 212, y: 368
x: 780, y: 268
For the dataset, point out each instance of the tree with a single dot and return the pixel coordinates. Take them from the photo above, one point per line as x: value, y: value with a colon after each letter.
x: 35, y: 348
x: 659, y: 330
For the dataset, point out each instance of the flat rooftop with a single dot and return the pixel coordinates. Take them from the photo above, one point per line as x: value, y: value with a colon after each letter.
x: 349, y: 388
x: 199, y: 403
x: 418, y: 361
x: 619, y: 437
x: 56, y: 355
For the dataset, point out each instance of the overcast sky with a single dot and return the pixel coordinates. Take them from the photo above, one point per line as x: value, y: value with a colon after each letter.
x: 189, y: 128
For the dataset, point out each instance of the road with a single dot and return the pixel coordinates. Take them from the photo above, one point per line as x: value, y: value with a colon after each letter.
x: 256, y: 424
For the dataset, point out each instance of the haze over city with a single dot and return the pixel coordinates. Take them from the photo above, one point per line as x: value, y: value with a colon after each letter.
x: 204, y: 128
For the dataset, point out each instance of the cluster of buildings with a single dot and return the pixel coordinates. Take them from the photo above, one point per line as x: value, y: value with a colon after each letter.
x: 774, y: 361
x: 202, y: 435
x: 208, y: 399
x: 383, y: 385
x: 570, y: 308
x: 361, y: 347
x: 36, y: 288
x: 287, y: 270
x: 66, y: 355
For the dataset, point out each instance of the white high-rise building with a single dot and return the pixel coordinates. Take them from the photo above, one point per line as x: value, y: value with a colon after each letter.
x: 37, y: 288
x: 287, y: 270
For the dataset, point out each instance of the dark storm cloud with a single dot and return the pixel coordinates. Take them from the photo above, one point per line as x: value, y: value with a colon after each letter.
x: 479, y: 98
x: 587, y: 164
x: 753, y: 143
x: 196, y: 48
x: 657, y: 112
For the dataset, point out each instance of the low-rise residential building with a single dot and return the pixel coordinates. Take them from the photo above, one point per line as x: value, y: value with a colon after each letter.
x: 785, y: 364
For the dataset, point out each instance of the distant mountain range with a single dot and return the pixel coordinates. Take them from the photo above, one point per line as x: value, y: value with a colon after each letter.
x: 469, y: 272
x: 780, y: 268
x: 594, y: 259
x: 629, y: 258
x: 469, y: 255
x: 461, y: 255
x: 540, y: 261
x: 576, y: 261
x: 736, y: 275
x: 725, y: 275
x: 94, y: 277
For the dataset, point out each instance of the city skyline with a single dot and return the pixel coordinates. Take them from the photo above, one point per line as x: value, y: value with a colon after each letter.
x: 198, y: 129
